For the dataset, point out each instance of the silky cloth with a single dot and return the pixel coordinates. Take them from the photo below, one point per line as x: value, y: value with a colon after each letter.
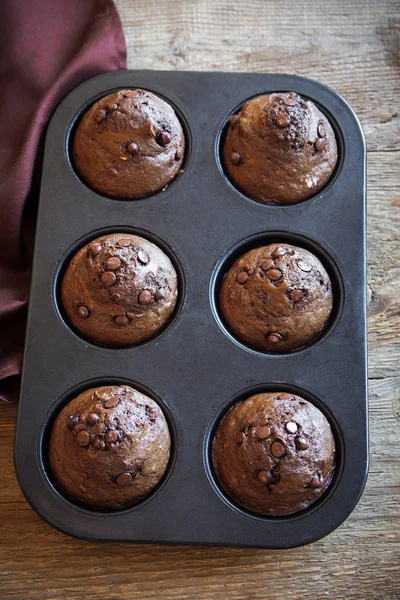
x: 47, y: 47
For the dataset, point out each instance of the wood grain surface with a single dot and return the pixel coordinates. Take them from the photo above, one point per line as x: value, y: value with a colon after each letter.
x: 354, y: 47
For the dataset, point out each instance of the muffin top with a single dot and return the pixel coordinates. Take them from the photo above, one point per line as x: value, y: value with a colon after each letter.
x: 109, y: 447
x: 129, y: 145
x: 279, y: 149
x: 119, y: 290
x: 276, y: 298
x: 274, y: 453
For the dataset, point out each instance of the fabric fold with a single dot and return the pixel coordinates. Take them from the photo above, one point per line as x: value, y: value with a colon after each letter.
x: 47, y: 49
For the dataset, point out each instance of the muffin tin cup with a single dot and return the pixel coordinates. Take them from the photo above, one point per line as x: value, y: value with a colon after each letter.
x: 70, y: 253
x: 47, y: 425
x: 265, y: 239
x: 194, y: 366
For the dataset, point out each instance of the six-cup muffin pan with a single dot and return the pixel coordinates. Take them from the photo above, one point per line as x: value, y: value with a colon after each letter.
x: 194, y: 368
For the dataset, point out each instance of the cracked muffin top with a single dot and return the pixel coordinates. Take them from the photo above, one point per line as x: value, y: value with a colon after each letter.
x: 274, y: 454
x: 279, y: 149
x: 276, y: 298
x: 129, y: 145
x: 109, y: 447
x: 119, y: 290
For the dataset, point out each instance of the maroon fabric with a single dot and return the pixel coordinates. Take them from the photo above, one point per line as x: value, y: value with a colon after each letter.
x: 47, y: 47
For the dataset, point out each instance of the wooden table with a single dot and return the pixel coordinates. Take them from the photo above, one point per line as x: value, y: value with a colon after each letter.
x: 352, y: 46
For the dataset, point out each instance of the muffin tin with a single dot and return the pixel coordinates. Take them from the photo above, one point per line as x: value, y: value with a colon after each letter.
x: 194, y: 368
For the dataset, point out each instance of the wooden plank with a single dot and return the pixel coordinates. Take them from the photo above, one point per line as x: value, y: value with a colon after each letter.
x: 383, y: 264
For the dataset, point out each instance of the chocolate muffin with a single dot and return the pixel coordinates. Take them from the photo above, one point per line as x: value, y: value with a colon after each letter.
x: 109, y: 447
x: 129, y: 145
x: 279, y: 149
x: 119, y: 290
x: 276, y: 298
x: 274, y: 454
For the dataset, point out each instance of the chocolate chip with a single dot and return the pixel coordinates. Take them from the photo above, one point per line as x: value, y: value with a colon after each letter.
x: 112, y: 106
x: 317, y: 481
x: 284, y: 396
x: 274, y: 338
x: 111, y: 436
x: 83, y: 312
x: 143, y: 257
x: 291, y: 427
x: 165, y: 139
x: 124, y: 479
x: 278, y: 252
x: 277, y: 449
x: 121, y: 320
x: 145, y: 297
x: 113, y: 263
x: 274, y: 274
x: 239, y: 437
x: 72, y: 421
x: 152, y: 413
x: 92, y: 418
x: 263, y: 431
x: 301, y: 443
x: 267, y: 264
x: 138, y: 466
x: 264, y: 477
x: 79, y: 427
x: 108, y: 278
x: 320, y: 144
x: 282, y: 120
x: 242, y: 276
x: 99, y: 115
x: 160, y: 294
x: 95, y: 248
x: 304, y: 266
x: 235, y: 158
x: 83, y: 438
x: 289, y: 101
x: 132, y: 148
x: 99, y: 444
x: 111, y: 402
x: 116, y: 297
x: 321, y: 130
x: 233, y: 119
x: 123, y: 243
x: 179, y: 154
x: 296, y: 295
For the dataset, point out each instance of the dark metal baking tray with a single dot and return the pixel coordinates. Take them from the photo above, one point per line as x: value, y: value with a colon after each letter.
x: 194, y: 367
